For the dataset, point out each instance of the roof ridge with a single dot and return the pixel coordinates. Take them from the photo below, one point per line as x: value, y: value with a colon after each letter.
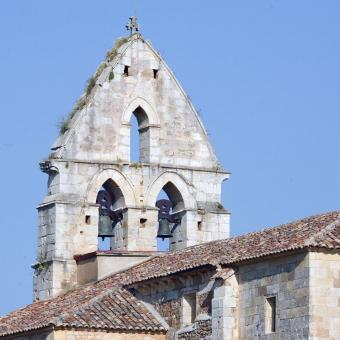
x: 270, y: 228
x: 314, y: 240
x: 264, y: 229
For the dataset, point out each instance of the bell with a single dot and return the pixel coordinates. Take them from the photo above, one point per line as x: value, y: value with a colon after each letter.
x: 105, y: 228
x: 164, y: 229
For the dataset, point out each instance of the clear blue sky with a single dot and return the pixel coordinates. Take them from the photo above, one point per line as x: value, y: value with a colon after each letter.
x: 264, y: 74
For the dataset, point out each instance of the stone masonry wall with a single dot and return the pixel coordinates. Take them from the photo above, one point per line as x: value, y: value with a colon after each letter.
x: 324, y: 301
x: 101, y: 130
x: 225, y: 306
x: 86, y: 335
x: 45, y: 334
x: 171, y: 308
x: 98, y: 335
x: 201, y: 331
x: 69, y: 216
x: 286, y: 278
x: 166, y: 296
x: 95, y: 147
x: 204, y: 302
x: 171, y: 312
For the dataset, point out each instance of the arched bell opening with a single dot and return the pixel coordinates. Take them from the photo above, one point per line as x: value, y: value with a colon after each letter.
x: 110, y: 214
x: 170, y: 206
x: 139, y: 136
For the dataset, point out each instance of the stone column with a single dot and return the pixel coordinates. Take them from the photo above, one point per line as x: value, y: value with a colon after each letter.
x: 225, y: 306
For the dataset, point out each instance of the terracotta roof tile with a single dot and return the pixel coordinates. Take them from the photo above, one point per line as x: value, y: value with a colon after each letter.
x: 113, y: 308
x: 320, y: 231
x: 107, y: 304
x: 116, y: 309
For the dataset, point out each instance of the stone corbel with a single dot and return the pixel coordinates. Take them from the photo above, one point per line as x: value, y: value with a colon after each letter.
x: 48, y: 168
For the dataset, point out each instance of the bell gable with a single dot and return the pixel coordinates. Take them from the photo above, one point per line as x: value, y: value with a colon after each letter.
x: 135, y: 80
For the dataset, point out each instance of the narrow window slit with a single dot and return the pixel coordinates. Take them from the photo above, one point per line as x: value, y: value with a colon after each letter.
x: 270, y: 314
x: 126, y: 70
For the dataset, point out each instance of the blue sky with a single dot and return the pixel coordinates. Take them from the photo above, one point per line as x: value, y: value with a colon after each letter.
x: 265, y: 76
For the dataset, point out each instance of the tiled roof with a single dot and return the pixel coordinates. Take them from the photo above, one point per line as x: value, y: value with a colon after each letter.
x: 114, y: 310
x: 107, y: 304
x: 88, y: 307
x: 319, y: 231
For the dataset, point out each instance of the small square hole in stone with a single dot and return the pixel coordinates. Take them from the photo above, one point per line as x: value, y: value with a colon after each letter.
x: 155, y: 73
x: 88, y: 219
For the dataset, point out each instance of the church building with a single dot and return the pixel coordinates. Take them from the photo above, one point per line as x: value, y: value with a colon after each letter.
x: 137, y: 246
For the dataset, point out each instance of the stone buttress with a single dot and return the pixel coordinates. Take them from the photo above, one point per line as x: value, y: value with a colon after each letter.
x: 93, y: 151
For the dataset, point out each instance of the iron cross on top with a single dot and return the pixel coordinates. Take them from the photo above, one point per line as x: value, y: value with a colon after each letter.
x: 132, y: 25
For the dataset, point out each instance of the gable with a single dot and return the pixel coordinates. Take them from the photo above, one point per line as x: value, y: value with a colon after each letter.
x: 135, y: 80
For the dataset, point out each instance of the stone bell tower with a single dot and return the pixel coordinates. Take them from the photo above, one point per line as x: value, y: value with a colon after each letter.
x: 92, y: 154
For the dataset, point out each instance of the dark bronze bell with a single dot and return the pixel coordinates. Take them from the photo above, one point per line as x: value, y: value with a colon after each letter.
x: 164, y: 229
x: 105, y: 227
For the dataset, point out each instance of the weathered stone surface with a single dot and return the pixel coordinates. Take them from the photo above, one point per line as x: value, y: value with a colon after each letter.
x: 201, y: 331
x: 175, y: 155
x: 324, y: 295
x: 100, y: 335
x: 86, y: 335
x: 225, y: 316
x: 286, y: 278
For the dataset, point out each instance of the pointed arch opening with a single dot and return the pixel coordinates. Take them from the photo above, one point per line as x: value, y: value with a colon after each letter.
x: 175, y: 197
x: 170, y: 218
x: 111, y: 206
x: 139, y: 136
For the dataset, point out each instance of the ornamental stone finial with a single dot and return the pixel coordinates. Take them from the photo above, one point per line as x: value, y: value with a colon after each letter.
x: 132, y: 25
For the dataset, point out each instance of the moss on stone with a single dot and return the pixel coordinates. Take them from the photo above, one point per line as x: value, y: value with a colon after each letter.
x: 64, y: 124
x: 41, y: 267
x: 91, y: 83
x: 100, y: 69
x: 111, y: 75
x: 114, y: 51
